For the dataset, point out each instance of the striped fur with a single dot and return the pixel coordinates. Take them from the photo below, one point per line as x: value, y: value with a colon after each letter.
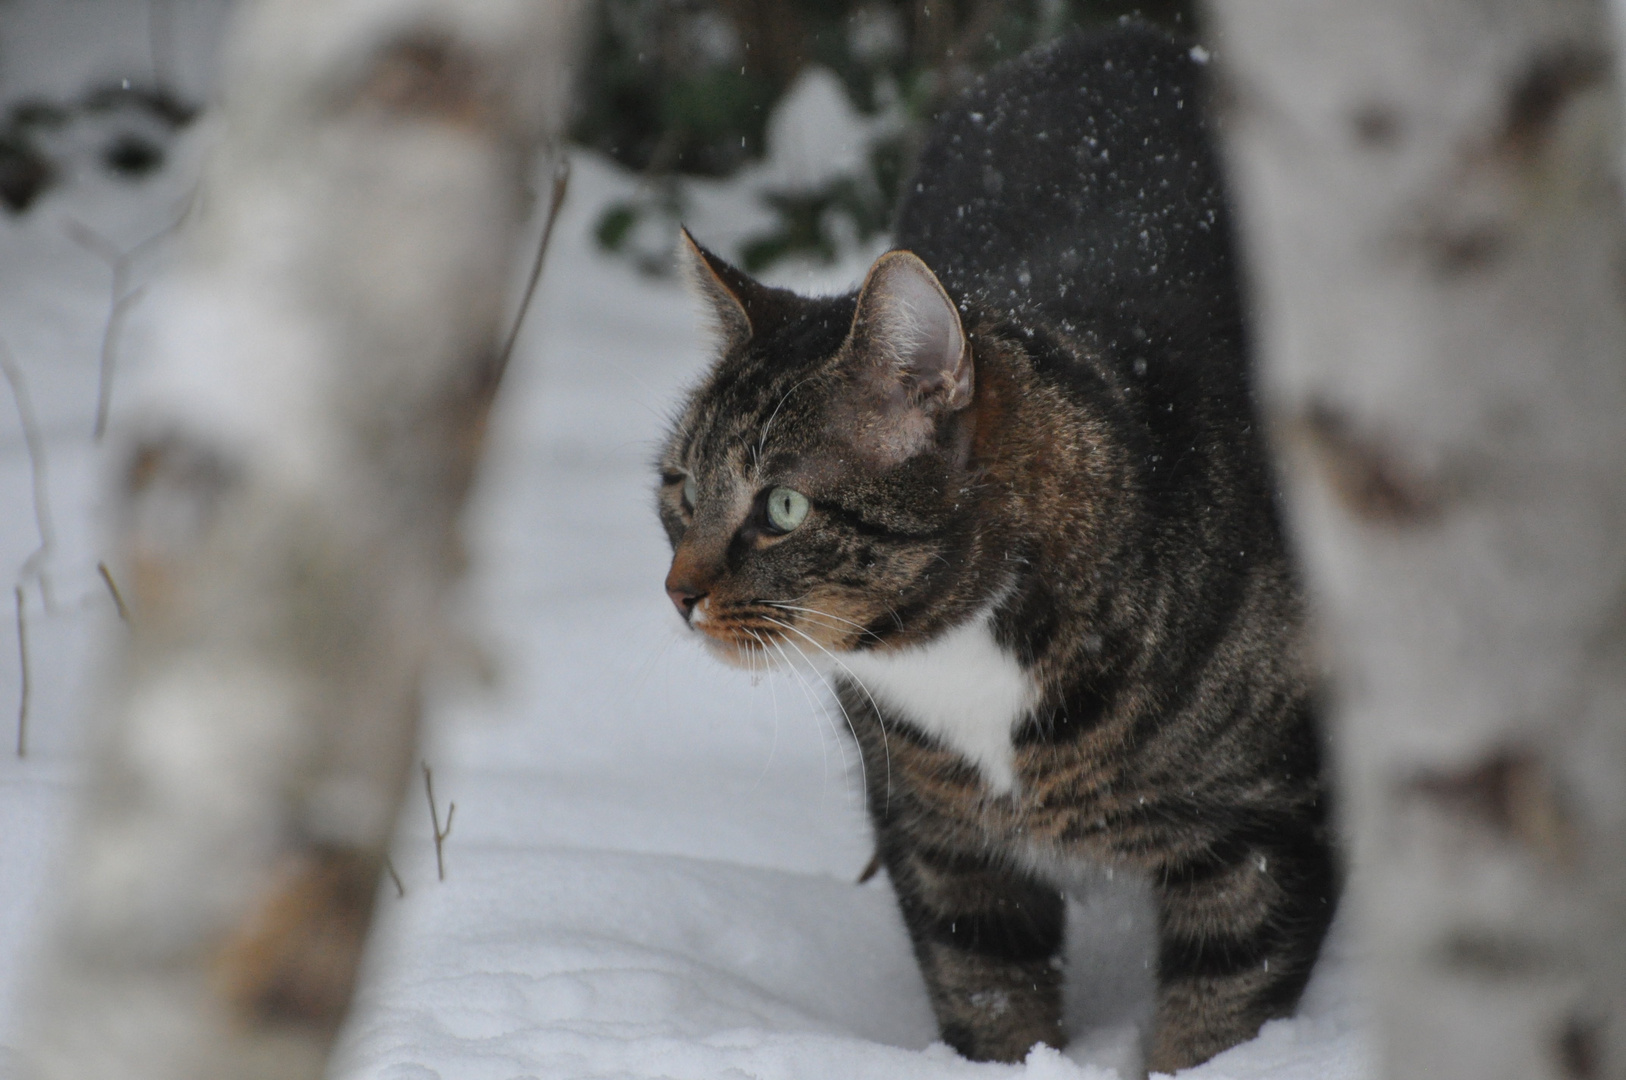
x: 1073, y: 464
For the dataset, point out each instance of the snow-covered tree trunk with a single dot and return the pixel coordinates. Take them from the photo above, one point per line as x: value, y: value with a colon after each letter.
x: 286, y: 530
x: 1433, y: 222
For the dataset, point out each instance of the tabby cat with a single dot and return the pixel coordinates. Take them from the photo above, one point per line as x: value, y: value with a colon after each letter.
x: 1012, y: 494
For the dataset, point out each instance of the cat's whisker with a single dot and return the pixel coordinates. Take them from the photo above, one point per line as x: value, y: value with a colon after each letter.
x: 647, y: 668
x: 860, y: 627
x: 762, y: 437
x: 815, y: 703
x: 751, y: 658
x: 880, y: 717
x: 829, y: 697
x: 773, y: 696
x: 832, y: 695
x: 815, y: 699
x: 814, y: 618
x: 897, y: 620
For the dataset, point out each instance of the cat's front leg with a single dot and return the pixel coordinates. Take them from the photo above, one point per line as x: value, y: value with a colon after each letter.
x: 989, y: 944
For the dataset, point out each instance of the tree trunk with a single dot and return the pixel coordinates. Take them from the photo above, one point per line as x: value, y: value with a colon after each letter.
x: 286, y: 530
x: 1431, y: 214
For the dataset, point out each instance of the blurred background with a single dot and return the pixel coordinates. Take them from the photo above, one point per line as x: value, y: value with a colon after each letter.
x: 815, y: 107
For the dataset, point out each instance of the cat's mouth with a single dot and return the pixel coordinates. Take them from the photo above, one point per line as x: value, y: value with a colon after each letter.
x: 769, y: 634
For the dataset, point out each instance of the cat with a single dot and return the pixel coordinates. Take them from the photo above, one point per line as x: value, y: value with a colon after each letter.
x: 1012, y: 495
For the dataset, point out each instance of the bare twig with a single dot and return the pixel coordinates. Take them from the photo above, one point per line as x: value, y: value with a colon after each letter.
x: 561, y: 184
x: 92, y: 241
x: 434, y: 821
x: 112, y: 587
x: 110, y: 337
x: 389, y: 868
x: 121, y: 296
x: 33, y: 565
x: 22, y: 656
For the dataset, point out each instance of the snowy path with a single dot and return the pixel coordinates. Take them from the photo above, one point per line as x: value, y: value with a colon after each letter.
x: 650, y: 871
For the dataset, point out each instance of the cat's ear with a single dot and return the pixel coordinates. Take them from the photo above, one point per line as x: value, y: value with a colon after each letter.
x: 739, y: 306
x: 915, y: 360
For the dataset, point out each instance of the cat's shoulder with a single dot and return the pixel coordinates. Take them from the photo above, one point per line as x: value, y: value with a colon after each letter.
x: 1090, y: 67
x: 1078, y: 187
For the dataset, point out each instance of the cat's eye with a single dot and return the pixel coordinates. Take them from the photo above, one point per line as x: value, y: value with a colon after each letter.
x: 691, y: 492
x: 787, y: 508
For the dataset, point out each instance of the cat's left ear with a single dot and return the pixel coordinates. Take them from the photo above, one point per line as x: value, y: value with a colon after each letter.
x: 916, y: 362
x: 739, y: 306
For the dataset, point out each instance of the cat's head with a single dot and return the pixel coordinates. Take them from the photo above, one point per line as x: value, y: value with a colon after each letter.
x: 816, y: 483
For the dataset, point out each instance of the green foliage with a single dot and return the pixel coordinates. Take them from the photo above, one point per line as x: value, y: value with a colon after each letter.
x: 807, y: 222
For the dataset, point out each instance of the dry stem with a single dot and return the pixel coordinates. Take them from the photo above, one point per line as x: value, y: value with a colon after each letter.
x: 112, y: 587
x: 22, y: 656
x: 121, y: 298
x: 561, y: 184
x: 33, y: 565
x: 434, y: 821
x: 389, y: 868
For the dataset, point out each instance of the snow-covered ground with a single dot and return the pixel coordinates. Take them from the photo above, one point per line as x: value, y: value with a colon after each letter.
x: 651, y: 867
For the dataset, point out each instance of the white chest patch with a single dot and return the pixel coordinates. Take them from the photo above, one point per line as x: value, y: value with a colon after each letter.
x: 961, y: 688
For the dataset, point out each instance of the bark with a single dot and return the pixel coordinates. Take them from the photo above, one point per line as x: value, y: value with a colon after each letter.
x: 286, y: 530
x: 1431, y: 214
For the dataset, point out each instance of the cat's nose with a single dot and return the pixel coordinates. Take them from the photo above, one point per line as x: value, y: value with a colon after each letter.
x: 684, y: 597
x: 683, y: 587
x: 687, y: 582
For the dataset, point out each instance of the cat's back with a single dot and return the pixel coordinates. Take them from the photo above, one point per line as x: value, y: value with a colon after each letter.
x: 1078, y: 184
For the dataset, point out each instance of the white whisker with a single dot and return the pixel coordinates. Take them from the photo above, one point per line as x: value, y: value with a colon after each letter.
x: 773, y: 696
x: 816, y: 705
x: 762, y: 438
x: 821, y: 614
x: 880, y: 717
x: 863, y: 768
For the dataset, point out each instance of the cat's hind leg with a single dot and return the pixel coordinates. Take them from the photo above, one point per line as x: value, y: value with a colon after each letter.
x: 989, y: 944
x: 1237, y: 937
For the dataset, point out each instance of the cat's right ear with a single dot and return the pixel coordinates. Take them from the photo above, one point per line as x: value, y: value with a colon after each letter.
x: 914, y: 359
x: 738, y: 306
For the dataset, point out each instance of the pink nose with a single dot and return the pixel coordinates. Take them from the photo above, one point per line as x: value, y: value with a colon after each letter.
x: 684, y: 585
x: 684, y: 598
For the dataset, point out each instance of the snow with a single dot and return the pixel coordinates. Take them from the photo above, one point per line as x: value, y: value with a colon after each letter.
x: 651, y: 867
x: 815, y: 135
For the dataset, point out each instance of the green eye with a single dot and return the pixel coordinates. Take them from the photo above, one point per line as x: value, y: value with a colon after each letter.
x: 690, y: 492
x: 787, y: 508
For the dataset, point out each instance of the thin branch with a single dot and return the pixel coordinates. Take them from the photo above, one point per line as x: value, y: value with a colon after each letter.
x: 110, y: 337
x: 32, y: 566
x: 389, y: 868
x: 22, y: 656
x: 112, y: 587
x: 121, y: 298
x: 434, y: 821
x: 92, y: 241
x: 561, y: 185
